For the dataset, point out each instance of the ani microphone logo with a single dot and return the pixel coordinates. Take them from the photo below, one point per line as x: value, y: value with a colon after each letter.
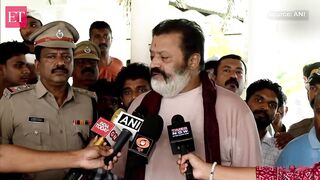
x: 16, y: 16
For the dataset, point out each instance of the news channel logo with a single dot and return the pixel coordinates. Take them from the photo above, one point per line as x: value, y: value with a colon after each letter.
x: 16, y: 16
x: 289, y: 15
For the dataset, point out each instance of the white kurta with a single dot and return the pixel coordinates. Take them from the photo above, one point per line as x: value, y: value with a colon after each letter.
x: 239, y: 139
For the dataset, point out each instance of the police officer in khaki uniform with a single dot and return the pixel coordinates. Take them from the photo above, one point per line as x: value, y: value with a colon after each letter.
x: 50, y: 115
x: 86, y: 59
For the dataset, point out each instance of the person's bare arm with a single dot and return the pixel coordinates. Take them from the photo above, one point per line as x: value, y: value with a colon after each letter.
x: 201, y: 169
x: 239, y: 173
x: 19, y: 159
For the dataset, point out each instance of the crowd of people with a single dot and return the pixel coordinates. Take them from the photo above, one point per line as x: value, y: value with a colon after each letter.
x: 45, y: 121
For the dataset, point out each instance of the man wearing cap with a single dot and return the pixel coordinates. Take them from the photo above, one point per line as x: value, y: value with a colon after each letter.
x: 33, y: 24
x: 45, y: 116
x: 86, y: 58
x: 311, y: 73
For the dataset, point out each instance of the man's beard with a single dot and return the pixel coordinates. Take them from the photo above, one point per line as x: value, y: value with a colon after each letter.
x: 172, y: 85
x: 262, y: 121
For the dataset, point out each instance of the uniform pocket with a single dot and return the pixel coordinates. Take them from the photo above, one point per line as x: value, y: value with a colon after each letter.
x: 35, y: 133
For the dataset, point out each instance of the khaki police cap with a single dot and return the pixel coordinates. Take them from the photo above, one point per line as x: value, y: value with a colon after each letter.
x: 87, y: 50
x: 57, y: 34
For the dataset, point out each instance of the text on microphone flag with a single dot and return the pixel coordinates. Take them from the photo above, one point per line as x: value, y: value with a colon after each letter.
x: 182, y: 131
x: 126, y: 120
x: 102, y: 127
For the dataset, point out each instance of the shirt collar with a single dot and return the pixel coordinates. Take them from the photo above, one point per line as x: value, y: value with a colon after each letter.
x: 271, y: 130
x: 42, y: 91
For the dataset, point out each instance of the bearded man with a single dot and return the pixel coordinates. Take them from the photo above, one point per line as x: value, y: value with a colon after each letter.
x: 223, y: 126
x: 264, y: 97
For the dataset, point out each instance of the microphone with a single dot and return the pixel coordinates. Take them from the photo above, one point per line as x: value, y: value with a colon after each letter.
x: 105, y: 129
x: 129, y: 122
x: 145, y: 140
x: 116, y: 114
x: 129, y: 125
x: 142, y: 146
x: 181, y: 139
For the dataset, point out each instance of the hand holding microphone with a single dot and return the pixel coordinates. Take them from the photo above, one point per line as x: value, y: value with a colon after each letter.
x: 181, y: 139
x: 114, y: 136
x: 201, y: 169
x: 105, y: 129
x: 93, y: 155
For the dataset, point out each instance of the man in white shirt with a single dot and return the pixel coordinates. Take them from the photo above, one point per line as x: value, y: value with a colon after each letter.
x: 223, y: 126
x: 264, y: 98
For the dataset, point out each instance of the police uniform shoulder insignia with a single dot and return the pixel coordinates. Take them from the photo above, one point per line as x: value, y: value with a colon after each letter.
x: 8, y: 92
x: 86, y: 92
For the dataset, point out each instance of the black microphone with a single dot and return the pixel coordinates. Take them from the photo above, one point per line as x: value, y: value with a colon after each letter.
x: 130, y: 125
x: 145, y: 140
x: 181, y: 139
x: 120, y: 142
x: 142, y: 146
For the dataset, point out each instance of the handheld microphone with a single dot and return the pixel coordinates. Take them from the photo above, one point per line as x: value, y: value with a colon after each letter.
x: 116, y: 114
x: 145, y: 140
x: 129, y: 122
x: 181, y: 139
x: 105, y: 129
x: 129, y: 125
x: 143, y: 145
